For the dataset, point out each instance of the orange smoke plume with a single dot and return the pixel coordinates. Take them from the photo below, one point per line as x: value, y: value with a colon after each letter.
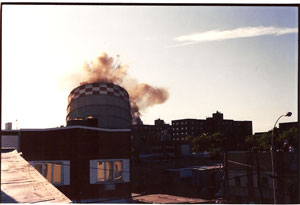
x: 106, y: 69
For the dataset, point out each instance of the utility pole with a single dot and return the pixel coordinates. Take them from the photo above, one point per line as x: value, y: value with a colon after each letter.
x: 250, y: 177
x: 258, y: 181
x: 288, y: 114
x: 226, y: 194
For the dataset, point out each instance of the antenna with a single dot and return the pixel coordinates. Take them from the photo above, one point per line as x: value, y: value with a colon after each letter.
x: 16, y: 124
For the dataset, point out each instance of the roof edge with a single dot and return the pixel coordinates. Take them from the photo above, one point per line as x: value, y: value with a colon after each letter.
x: 77, y: 127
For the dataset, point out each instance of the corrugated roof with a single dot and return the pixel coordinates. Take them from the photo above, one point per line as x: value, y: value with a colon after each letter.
x: 22, y: 183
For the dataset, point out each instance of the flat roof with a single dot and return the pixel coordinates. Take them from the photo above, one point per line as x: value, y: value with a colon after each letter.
x: 167, y: 199
x: 184, y: 119
x: 9, y: 132
x: 202, y: 167
x: 22, y: 183
x: 76, y: 127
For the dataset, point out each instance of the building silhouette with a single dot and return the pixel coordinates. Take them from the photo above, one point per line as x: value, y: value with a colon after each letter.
x: 152, y: 139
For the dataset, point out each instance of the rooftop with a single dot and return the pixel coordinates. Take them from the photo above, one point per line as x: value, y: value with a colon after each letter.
x: 202, y: 167
x: 167, y: 199
x: 21, y: 183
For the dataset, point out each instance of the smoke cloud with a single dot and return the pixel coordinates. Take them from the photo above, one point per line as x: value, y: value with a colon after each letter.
x: 107, y: 69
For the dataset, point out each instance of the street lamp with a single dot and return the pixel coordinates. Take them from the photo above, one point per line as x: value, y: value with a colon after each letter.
x: 288, y: 114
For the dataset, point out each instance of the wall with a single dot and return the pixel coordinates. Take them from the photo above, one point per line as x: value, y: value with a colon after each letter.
x: 11, y: 141
x: 79, y: 146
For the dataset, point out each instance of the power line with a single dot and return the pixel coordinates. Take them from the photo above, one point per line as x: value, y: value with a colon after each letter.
x: 56, y: 163
x: 246, y: 165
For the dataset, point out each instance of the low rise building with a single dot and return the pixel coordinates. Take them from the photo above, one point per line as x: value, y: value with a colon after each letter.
x: 195, y: 181
x: 248, y: 177
x: 87, y: 164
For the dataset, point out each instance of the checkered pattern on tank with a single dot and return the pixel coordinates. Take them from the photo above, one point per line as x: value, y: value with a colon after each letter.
x: 98, y: 89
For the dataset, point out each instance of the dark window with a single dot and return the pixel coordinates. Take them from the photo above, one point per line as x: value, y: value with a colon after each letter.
x: 237, y: 180
x: 264, y: 181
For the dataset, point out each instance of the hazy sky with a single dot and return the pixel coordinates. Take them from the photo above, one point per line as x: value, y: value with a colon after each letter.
x: 241, y: 61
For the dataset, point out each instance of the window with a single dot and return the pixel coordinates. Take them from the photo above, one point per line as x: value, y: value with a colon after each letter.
x: 52, y: 171
x: 109, y: 171
x: 57, y: 172
x: 264, y: 181
x: 237, y: 180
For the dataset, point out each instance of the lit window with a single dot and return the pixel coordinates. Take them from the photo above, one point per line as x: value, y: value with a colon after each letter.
x: 109, y: 171
x: 57, y: 173
x: 52, y: 171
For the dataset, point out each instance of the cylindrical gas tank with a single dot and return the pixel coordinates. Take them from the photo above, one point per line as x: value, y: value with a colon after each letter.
x: 107, y: 102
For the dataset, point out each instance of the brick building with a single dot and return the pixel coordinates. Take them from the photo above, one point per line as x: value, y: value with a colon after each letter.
x: 87, y: 164
x: 164, y: 138
x: 152, y: 139
x: 235, y: 131
x: 187, y: 127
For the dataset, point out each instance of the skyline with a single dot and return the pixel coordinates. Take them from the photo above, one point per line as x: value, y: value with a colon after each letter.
x: 241, y: 61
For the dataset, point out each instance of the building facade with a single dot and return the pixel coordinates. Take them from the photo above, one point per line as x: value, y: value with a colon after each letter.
x: 234, y: 131
x: 152, y: 140
x: 187, y: 127
x: 87, y: 164
x: 288, y: 125
x: 172, y: 139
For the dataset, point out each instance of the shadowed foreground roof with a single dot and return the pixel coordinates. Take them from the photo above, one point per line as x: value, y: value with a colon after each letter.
x: 21, y: 183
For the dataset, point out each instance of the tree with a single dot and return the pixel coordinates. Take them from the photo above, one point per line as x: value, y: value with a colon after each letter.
x: 263, y: 142
x: 212, y: 143
x: 260, y: 142
x: 290, y: 136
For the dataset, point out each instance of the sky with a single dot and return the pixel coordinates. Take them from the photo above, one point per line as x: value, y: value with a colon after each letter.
x: 241, y: 61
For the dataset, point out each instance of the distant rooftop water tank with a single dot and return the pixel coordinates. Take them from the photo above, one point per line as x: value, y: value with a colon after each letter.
x: 107, y: 102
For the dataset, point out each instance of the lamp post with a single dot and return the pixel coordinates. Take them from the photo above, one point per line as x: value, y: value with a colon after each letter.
x: 272, y: 150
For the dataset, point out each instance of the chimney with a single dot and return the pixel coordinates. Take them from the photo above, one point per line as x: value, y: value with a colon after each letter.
x: 8, y: 126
